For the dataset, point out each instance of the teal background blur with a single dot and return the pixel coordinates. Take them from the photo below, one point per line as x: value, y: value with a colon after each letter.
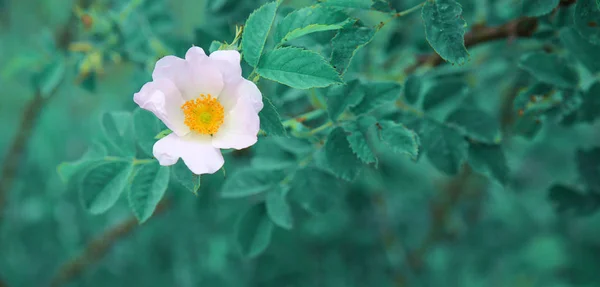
x: 412, y: 233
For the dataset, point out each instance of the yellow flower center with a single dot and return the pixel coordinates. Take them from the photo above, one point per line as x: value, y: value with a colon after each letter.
x: 203, y: 115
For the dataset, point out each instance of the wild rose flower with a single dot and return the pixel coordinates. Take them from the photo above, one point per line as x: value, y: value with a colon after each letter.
x: 207, y: 104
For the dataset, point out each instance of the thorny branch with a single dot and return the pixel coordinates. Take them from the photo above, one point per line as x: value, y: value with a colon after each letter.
x: 98, y: 247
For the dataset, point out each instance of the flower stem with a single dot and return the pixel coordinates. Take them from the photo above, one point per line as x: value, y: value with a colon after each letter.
x: 321, y: 128
x: 303, y: 117
x: 408, y: 11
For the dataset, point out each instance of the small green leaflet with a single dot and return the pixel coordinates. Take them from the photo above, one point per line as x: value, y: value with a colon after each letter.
x: 48, y: 80
x: 581, y: 49
x: 298, y: 68
x: 590, y: 108
x: 571, y: 200
x: 550, y: 69
x: 358, y: 4
x: 253, y: 231
x: 445, y: 29
x: 475, y: 123
x: 278, y: 208
x: 489, y: 160
x: 536, y: 8
x: 147, y: 188
x: 375, y: 95
x: 340, y: 158
x: 399, y: 138
x: 270, y: 122
x: 443, y: 91
x: 67, y: 170
x: 103, y: 183
x: 588, y: 164
x: 445, y: 147
x: 118, y: 129
x: 358, y: 134
x: 146, y: 126
x: 251, y: 181
x: 182, y: 174
x: 309, y: 20
x: 587, y: 20
x: 316, y: 190
x: 412, y: 89
x: 257, y: 29
x: 341, y: 97
x: 346, y: 43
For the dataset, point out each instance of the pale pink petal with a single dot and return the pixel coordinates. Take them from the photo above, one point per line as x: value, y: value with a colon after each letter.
x: 178, y: 71
x: 240, y: 127
x: 206, y: 75
x: 196, y: 152
x: 228, y: 62
x: 162, y: 98
x: 245, y: 90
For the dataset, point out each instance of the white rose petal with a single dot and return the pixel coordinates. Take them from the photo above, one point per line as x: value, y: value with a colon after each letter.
x: 207, y: 104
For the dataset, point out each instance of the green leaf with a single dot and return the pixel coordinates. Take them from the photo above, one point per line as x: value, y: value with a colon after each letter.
x: 412, y: 89
x: 358, y: 4
x: 489, y: 160
x: 215, y: 46
x: 309, y: 20
x: 51, y: 76
x: 316, y: 190
x: 346, y: 43
x: 67, y: 170
x: 298, y: 68
x: 581, y: 49
x: 550, y: 69
x: 358, y: 134
x: 146, y: 126
x: 182, y: 174
x: 536, y: 8
x: 278, y: 208
x: 147, y: 188
x: 445, y: 147
x: 399, y: 138
x: 588, y: 164
x: 590, y: 108
x: 257, y: 29
x: 442, y: 91
x: 475, y: 123
x: 340, y: 158
x: 253, y: 231
x: 119, y: 131
x: 376, y: 95
x: 587, y: 20
x: 567, y: 199
x: 445, y: 29
x: 103, y: 183
x: 341, y: 97
x: 270, y: 122
x: 251, y: 181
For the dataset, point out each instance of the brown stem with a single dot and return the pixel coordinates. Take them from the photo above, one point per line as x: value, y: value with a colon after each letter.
x: 98, y: 247
x: 521, y: 27
x: 439, y: 214
x: 18, y: 145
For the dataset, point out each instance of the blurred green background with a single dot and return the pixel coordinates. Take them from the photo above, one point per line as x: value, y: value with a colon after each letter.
x: 418, y: 228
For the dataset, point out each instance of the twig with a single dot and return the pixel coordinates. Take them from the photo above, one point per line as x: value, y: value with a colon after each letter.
x: 439, y: 214
x: 31, y: 113
x: 18, y: 145
x: 98, y: 247
x: 522, y: 27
